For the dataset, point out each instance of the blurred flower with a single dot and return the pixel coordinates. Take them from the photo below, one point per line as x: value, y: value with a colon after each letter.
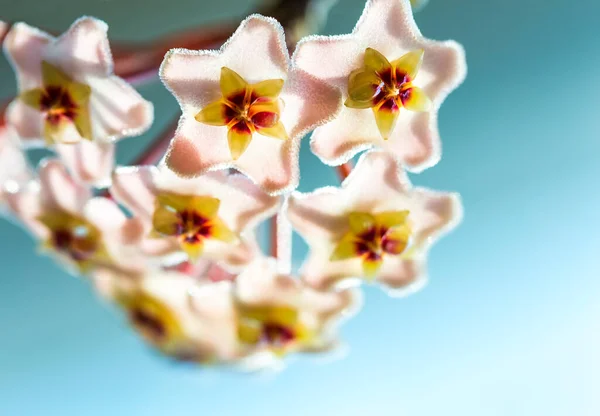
x: 68, y: 95
x: 277, y: 314
x: 14, y: 168
x: 213, y: 215
x: 184, y: 317
x: 393, y: 81
x: 376, y: 226
x: 83, y: 231
x: 245, y: 107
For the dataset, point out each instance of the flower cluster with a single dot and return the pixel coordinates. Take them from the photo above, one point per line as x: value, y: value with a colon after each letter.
x: 175, y: 246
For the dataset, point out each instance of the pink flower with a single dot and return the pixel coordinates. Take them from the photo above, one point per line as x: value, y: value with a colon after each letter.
x: 189, y: 318
x: 68, y: 95
x: 393, y: 81
x: 375, y: 227
x: 213, y: 215
x: 14, y: 168
x: 278, y: 314
x: 245, y: 107
x: 84, y: 231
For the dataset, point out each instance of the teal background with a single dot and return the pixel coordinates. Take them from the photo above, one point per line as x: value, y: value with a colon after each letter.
x: 509, y: 323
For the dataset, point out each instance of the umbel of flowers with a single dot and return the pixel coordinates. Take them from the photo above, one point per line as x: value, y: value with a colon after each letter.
x: 184, y: 264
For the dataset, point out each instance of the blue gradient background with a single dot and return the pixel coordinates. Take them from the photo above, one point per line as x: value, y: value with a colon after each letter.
x: 509, y: 323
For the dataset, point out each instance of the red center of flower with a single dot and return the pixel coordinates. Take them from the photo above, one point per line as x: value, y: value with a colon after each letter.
x: 239, y: 112
x: 374, y: 242
x: 75, y: 245
x: 148, y: 323
x: 192, y: 226
x: 394, y: 85
x: 58, y: 105
x: 277, y: 335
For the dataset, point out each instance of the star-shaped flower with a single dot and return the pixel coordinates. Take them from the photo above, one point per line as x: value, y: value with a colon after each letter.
x: 278, y: 314
x: 14, y: 168
x: 245, y: 107
x: 69, y: 95
x: 393, y: 81
x: 86, y: 232
x: 213, y: 215
x: 375, y: 227
x: 186, y: 317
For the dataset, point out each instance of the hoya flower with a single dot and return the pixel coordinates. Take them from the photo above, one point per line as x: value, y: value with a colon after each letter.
x: 184, y: 317
x: 212, y: 215
x: 375, y: 227
x: 245, y: 107
x: 67, y: 90
x: 393, y: 80
x: 14, y: 169
x: 84, y: 231
x: 278, y: 314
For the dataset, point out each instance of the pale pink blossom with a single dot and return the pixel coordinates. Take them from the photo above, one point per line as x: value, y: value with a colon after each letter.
x: 259, y: 133
x: 430, y: 71
x: 279, y: 314
x: 187, y: 317
x: 376, y: 226
x: 84, y: 231
x: 175, y: 213
x: 69, y: 97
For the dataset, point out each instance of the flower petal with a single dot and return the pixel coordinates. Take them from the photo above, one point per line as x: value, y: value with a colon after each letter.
x: 409, y: 63
x: 32, y: 98
x: 386, y: 116
x: 415, y: 99
x: 346, y: 249
x: 88, y: 162
x: 269, y: 88
x: 193, y: 249
x: 83, y: 123
x: 53, y: 76
x: 231, y: 83
x: 277, y: 131
x: 363, y: 87
x: 135, y: 188
x: 25, y: 45
x: 360, y: 222
x: 83, y: 48
x: 371, y: 266
x: 214, y: 114
x: 59, y: 190
x: 239, y: 137
x: 375, y: 61
x: 117, y: 109
x: 165, y: 221
x: 219, y: 231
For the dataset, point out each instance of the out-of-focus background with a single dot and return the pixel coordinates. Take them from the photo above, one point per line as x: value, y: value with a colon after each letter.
x: 510, y: 321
